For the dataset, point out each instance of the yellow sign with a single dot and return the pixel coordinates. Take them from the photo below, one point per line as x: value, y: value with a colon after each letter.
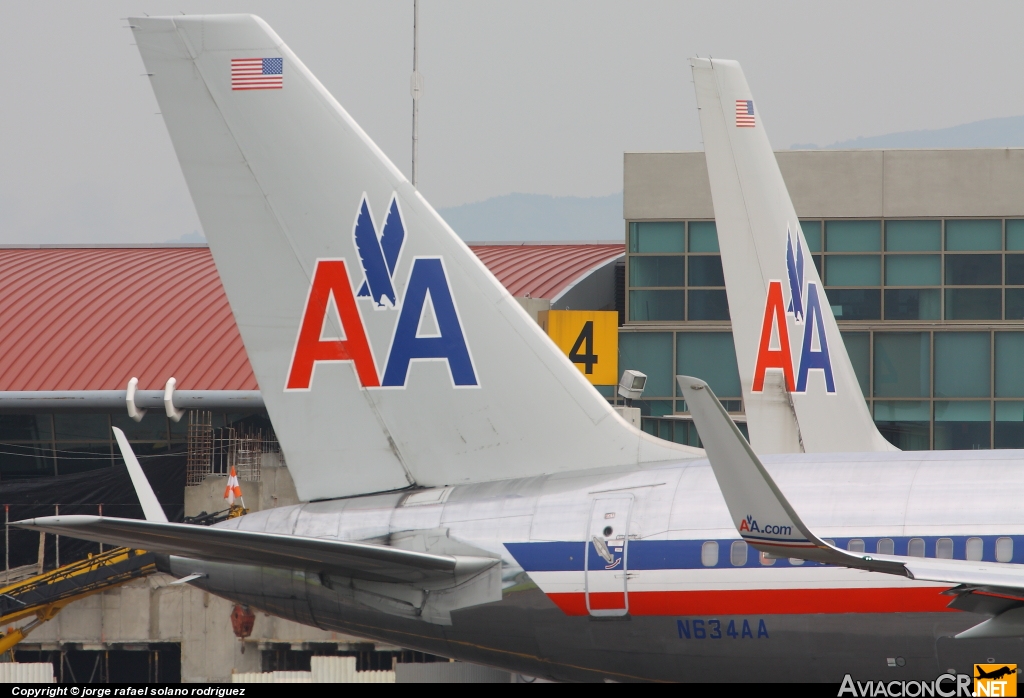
x: 590, y: 338
x: 995, y: 679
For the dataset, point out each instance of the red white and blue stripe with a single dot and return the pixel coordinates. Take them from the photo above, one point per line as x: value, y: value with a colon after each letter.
x: 670, y: 578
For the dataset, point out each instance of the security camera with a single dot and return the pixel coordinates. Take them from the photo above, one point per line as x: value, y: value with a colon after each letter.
x: 631, y: 385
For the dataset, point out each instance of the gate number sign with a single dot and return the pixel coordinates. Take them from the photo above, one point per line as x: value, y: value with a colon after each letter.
x: 590, y: 338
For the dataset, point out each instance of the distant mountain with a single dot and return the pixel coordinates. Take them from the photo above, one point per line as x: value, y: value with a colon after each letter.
x: 1005, y: 132
x: 194, y: 236
x: 536, y: 217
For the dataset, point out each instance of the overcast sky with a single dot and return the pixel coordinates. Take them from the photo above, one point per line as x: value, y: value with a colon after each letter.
x: 526, y: 96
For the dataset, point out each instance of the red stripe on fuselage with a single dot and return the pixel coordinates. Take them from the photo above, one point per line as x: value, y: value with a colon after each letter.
x: 763, y: 601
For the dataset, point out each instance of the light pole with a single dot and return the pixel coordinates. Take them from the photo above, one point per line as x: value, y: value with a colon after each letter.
x: 416, y: 87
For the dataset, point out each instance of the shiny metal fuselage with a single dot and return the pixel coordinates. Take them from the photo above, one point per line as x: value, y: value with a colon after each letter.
x: 677, y: 617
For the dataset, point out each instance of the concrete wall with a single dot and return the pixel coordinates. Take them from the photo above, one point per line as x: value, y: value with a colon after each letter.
x: 449, y: 672
x: 534, y: 306
x: 152, y: 610
x: 842, y: 183
x: 275, y: 489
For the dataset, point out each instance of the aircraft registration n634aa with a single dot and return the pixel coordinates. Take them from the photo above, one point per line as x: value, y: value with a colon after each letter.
x: 469, y: 494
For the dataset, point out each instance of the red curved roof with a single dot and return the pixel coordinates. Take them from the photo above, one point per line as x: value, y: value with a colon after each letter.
x: 90, y: 318
x: 544, y: 271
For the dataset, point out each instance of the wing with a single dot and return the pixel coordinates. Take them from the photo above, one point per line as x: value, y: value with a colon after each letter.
x: 990, y: 588
x: 364, y: 561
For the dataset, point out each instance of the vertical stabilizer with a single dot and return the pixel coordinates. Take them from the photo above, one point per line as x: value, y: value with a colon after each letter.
x: 800, y: 391
x: 387, y: 355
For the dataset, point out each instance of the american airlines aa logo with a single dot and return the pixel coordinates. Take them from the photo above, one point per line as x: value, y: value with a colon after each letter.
x: 427, y: 302
x: 379, y: 256
x: 804, y: 305
x: 749, y: 525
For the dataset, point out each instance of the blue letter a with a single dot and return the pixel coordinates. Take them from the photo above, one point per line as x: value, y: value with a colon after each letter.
x: 449, y: 343
x: 814, y: 359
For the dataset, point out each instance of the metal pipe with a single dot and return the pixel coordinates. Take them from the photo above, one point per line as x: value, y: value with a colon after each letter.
x: 114, y: 400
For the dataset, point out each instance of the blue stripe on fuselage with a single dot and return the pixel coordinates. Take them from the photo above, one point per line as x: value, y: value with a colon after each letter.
x: 567, y: 556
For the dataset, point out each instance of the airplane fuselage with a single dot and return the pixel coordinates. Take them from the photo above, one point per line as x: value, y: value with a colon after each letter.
x: 640, y: 574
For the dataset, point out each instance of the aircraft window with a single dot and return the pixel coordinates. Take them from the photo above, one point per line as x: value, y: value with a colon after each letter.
x: 829, y: 541
x: 915, y: 548
x: 856, y: 545
x: 944, y: 548
x: 767, y: 559
x: 975, y: 549
x: 796, y: 561
x: 885, y: 546
x: 738, y: 553
x: 709, y: 553
x: 607, y: 531
x: 1004, y: 549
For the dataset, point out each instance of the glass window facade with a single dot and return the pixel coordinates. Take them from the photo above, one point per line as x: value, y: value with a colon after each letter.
x: 941, y: 389
x: 712, y: 357
x: 968, y: 270
x: 675, y: 273
x: 913, y: 236
x: 929, y: 309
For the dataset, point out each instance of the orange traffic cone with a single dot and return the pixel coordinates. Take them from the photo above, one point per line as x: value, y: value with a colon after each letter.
x: 233, y: 489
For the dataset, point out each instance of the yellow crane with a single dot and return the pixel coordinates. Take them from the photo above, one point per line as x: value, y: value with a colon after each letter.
x: 44, y: 595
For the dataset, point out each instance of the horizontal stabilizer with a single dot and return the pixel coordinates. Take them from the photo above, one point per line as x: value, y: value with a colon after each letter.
x: 364, y: 561
x: 766, y: 520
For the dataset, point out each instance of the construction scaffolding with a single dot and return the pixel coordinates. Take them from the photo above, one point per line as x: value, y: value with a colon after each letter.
x: 246, y: 454
x: 200, y: 447
x: 214, y: 451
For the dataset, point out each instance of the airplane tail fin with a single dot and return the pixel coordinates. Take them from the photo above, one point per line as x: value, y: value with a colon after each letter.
x: 800, y: 391
x: 387, y: 355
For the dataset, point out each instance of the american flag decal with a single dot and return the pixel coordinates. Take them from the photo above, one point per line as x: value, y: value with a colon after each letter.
x: 744, y: 113
x: 257, y: 73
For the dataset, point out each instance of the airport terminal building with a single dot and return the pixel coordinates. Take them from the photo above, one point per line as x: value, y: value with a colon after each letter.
x: 922, y: 256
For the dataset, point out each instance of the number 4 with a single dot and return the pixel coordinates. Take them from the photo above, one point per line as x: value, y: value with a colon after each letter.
x: 586, y: 339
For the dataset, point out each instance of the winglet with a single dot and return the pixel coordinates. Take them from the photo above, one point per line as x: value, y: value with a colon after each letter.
x: 761, y: 513
x: 150, y: 506
x: 766, y: 521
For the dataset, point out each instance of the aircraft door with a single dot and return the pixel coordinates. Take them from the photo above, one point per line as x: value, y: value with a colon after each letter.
x: 606, y: 556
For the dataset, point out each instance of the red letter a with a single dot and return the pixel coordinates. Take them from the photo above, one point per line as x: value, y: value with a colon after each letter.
x: 331, y: 279
x: 774, y: 314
